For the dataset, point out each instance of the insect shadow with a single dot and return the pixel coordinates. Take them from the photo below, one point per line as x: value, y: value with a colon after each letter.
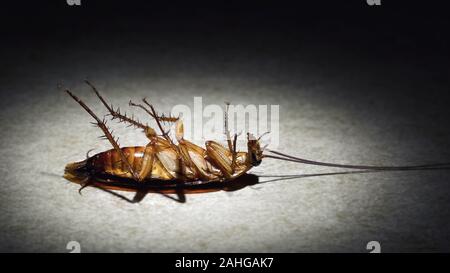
x: 165, y: 189
x: 181, y: 190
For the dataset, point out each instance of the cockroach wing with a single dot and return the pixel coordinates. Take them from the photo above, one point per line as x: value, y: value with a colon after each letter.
x: 220, y: 155
x: 169, y: 159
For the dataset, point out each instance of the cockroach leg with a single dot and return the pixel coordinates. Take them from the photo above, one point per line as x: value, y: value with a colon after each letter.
x: 147, y: 160
x: 179, y: 130
x: 116, y: 113
x: 220, y: 156
x: 186, y: 148
x: 227, y: 131
x: 101, y: 124
x: 153, y: 114
x: 161, y: 117
x: 231, y: 145
x: 234, y: 153
x: 158, y: 121
x: 142, y: 107
x: 87, y: 153
x: 85, y: 183
x: 149, y: 132
x: 196, y: 162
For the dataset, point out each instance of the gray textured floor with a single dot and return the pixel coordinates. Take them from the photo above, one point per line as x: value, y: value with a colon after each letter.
x: 339, y: 110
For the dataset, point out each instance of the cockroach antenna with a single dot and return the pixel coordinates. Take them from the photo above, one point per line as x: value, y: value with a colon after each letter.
x: 286, y: 157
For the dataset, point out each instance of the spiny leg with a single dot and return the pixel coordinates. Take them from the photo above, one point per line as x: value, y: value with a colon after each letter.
x: 149, y: 132
x: 101, y: 124
x: 231, y: 145
x: 152, y: 113
x: 234, y: 153
x: 162, y: 117
x: 157, y: 118
x: 116, y: 113
x: 85, y: 183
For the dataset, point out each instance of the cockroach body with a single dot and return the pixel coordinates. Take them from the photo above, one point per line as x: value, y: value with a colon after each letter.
x: 163, y: 165
x: 170, y: 168
x: 162, y: 162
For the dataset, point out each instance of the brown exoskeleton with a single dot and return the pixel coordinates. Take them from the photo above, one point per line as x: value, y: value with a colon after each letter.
x: 162, y: 163
x: 161, y: 160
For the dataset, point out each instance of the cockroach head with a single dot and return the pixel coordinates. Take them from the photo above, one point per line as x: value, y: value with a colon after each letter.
x: 255, y: 153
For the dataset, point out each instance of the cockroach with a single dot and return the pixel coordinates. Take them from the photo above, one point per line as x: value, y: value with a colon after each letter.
x: 164, y: 166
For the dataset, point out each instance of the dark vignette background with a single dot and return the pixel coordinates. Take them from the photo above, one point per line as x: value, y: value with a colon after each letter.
x: 374, y: 79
